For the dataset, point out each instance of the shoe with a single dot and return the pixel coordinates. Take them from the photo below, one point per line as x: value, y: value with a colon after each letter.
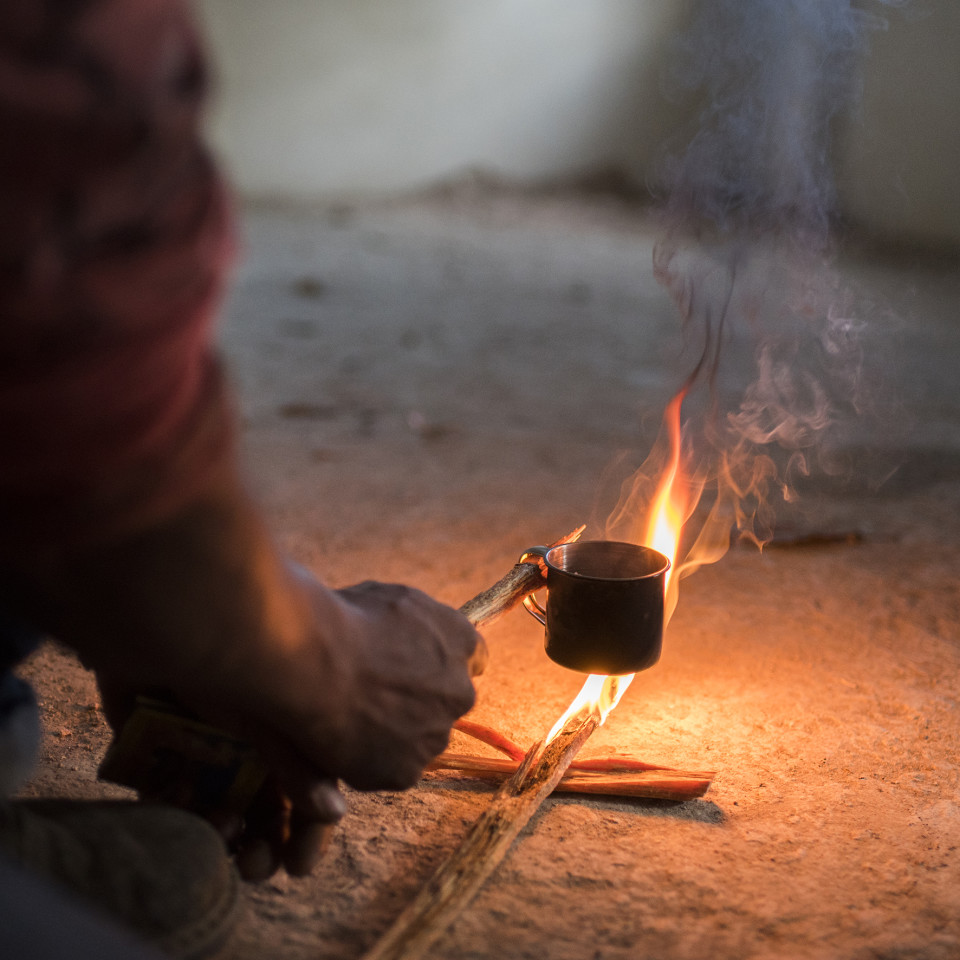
x: 161, y: 872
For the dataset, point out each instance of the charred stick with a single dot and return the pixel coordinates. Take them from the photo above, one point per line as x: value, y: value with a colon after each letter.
x: 486, y: 607
x: 510, y: 589
x: 504, y: 595
x: 516, y: 800
x: 457, y: 880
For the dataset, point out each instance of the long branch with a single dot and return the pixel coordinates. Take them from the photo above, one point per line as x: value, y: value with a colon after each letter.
x: 457, y: 880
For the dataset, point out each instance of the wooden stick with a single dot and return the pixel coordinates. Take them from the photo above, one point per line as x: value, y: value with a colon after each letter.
x: 618, y: 763
x: 510, y: 589
x: 457, y: 880
x: 607, y: 777
x: 493, y: 738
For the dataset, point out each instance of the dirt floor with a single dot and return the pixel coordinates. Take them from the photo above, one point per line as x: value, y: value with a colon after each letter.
x: 430, y: 387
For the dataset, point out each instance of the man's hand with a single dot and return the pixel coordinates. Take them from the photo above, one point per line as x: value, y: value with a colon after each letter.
x: 410, y: 660
x: 361, y: 684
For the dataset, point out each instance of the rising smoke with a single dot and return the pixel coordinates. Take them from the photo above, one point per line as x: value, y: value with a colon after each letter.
x: 771, y: 75
x: 746, y: 255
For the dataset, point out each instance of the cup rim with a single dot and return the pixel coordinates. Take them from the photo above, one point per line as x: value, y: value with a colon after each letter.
x: 581, y: 545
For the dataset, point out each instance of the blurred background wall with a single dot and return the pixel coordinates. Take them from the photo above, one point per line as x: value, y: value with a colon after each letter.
x: 327, y: 98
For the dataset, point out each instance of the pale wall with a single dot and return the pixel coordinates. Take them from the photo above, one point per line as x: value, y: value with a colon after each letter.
x: 332, y: 97
x: 900, y: 169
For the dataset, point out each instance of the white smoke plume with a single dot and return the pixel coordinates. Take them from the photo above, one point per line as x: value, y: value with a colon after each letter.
x: 747, y: 255
x: 772, y: 75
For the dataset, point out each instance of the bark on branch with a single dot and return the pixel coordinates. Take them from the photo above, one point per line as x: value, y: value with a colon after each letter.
x: 510, y: 589
x: 457, y: 881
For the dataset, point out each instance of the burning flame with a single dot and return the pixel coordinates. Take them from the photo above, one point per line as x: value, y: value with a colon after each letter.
x: 763, y: 270
x: 671, y: 502
x: 675, y: 498
x: 600, y: 694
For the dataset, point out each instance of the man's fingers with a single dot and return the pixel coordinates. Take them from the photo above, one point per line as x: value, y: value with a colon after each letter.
x: 479, y: 658
x: 281, y: 833
x: 313, y: 794
x: 306, y: 845
x: 326, y: 803
x: 293, y: 827
x: 266, y: 828
x: 257, y: 860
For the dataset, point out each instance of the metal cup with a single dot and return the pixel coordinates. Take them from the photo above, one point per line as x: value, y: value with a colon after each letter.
x: 604, y: 611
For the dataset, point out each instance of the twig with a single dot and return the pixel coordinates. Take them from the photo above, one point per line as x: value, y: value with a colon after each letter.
x: 491, y: 737
x: 510, y: 589
x: 457, y: 881
x: 618, y: 763
x: 615, y: 764
x: 605, y: 775
x: 617, y: 775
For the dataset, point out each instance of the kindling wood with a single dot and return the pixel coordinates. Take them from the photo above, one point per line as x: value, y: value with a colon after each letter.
x: 457, y: 880
x: 530, y: 779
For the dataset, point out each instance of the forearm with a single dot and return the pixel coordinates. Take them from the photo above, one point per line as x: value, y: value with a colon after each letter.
x: 199, y: 597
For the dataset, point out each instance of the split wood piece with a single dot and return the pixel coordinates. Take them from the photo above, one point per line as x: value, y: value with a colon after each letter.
x: 617, y: 766
x: 608, y: 777
x: 493, y: 738
x: 616, y: 763
x: 509, y: 590
x: 457, y: 880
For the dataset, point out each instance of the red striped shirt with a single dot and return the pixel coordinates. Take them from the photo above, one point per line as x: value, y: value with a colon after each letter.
x: 115, y: 242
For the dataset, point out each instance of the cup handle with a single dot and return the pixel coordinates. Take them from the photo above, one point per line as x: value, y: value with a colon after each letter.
x: 535, y: 555
x: 534, y: 608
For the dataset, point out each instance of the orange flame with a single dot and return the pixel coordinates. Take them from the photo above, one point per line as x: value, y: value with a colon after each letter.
x: 674, y: 499
x: 599, y: 695
x: 658, y: 501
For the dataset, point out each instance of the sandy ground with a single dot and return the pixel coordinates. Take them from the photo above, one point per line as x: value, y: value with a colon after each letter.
x: 430, y: 387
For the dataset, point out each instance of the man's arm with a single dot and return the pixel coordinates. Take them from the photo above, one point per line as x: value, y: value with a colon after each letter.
x: 361, y: 684
x: 126, y: 532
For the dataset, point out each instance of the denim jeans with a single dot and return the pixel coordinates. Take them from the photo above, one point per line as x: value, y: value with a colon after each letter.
x: 19, y: 715
x: 38, y: 921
